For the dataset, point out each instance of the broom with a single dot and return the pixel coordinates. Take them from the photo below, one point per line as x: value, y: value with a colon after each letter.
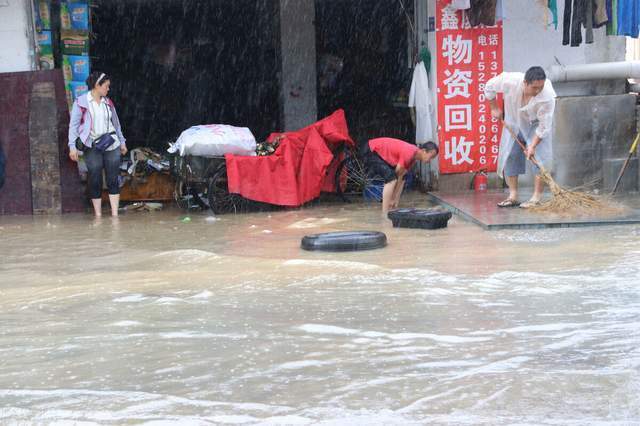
x: 564, y: 201
x: 626, y: 163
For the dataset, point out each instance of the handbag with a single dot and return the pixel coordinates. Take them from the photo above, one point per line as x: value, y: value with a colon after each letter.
x: 104, y: 141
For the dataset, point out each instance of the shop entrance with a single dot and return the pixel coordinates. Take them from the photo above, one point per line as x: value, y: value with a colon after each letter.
x: 179, y: 63
x: 364, y: 54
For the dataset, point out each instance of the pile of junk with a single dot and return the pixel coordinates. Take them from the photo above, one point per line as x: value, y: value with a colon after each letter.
x: 145, y: 179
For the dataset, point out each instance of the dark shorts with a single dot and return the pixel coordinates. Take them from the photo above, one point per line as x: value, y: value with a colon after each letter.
x: 516, y: 163
x: 377, y: 168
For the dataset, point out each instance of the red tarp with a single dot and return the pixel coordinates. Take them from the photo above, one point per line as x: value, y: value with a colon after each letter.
x: 297, y: 172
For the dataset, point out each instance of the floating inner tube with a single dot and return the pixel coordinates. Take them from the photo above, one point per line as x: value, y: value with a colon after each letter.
x: 419, y: 218
x: 344, y: 241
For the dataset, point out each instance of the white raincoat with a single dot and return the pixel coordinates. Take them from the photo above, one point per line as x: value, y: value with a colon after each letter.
x: 535, y: 117
x: 420, y: 98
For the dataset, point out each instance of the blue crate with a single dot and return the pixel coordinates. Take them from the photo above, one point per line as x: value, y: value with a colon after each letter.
x: 373, y: 191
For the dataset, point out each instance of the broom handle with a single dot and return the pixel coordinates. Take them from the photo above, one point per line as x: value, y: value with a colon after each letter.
x: 524, y: 148
x: 626, y: 163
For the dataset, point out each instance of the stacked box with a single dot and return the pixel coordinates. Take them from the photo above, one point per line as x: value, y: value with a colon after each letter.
x: 43, y: 15
x: 45, y: 50
x: 74, y: 41
x: 43, y: 34
x: 74, y: 15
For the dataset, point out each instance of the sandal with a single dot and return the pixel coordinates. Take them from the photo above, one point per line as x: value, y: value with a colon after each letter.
x: 508, y: 203
x: 530, y: 203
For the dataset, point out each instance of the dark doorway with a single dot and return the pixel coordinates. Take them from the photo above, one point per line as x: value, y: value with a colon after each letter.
x: 363, y: 65
x: 179, y: 63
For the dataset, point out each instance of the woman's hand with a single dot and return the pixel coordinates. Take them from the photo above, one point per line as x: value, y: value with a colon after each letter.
x: 73, y: 154
x: 123, y: 149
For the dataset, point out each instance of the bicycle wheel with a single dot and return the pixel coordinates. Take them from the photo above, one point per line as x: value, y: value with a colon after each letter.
x: 220, y: 200
x: 181, y: 194
x: 352, y: 177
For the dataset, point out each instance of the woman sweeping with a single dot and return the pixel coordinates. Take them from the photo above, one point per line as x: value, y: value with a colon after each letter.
x: 529, y: 102
x: 95, y: 130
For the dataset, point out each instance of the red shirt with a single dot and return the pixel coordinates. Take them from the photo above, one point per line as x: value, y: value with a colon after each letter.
x: 394, y: 151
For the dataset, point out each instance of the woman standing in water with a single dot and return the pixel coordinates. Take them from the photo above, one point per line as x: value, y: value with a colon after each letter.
x: 95, y: 129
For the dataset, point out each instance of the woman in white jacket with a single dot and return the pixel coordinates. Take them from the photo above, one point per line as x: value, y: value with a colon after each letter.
x: 529, y: 102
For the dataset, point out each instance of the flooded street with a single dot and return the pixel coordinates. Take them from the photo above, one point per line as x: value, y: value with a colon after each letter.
x: 222, y: 321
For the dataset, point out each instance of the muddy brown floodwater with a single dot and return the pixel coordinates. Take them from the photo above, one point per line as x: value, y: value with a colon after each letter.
x: 226, y: 321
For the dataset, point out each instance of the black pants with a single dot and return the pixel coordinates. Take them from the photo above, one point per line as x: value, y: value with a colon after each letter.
x: 377, y: 168
x: 577, y: 14
x: 96, y: 161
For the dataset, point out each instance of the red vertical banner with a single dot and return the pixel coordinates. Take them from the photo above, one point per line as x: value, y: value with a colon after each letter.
x: 466, y: 59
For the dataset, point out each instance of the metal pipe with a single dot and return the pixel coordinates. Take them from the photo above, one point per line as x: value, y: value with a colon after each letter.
x: 599, y: 71
x: 635, y: 88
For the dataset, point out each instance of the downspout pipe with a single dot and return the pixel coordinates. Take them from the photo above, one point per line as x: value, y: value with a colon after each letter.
x: 599, y: 71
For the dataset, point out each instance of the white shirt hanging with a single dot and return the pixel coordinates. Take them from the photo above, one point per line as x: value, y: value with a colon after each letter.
x: 420, y: 98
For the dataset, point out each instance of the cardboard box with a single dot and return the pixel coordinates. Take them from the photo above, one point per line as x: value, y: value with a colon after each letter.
x: 44, y: 15
x: 74, y: 15
x: 65, y: 17
x: 74, y: 42
x: 79, y: 15
x: 77, y: 89
x: 45, y: 50
x: 75, y: 67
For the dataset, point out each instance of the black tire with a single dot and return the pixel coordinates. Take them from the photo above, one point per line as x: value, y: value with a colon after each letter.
x: 344, y: 241
x: 419, y: 218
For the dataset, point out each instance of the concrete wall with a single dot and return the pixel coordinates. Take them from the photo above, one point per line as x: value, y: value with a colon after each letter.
x: 589, y: 130
x: 298, y: 70
x: 16, y: 36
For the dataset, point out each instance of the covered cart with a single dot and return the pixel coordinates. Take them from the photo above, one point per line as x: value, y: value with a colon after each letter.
x: 304, y: 164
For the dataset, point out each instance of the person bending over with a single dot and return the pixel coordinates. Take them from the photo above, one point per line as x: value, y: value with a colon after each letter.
x: 390, y: 159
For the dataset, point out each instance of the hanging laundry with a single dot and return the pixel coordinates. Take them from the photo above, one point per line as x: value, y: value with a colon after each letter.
x: 588, y: 22
x: 612, y: 13
x: 420, y: 99
x: 577, y: 13
x: 482, y: 12
x: 425, y: 58
x: 461, y: 4
x: 628, y: 18
x: 553, y: 7
x: 600, y: 16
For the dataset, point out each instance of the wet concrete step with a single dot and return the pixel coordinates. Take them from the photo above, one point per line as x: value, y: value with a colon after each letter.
x: 481, y: 209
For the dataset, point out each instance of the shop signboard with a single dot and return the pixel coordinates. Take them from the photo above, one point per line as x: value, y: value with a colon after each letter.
x: 466, y: 59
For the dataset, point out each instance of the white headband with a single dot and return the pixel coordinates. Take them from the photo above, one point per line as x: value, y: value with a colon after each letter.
x: 101, y: 77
